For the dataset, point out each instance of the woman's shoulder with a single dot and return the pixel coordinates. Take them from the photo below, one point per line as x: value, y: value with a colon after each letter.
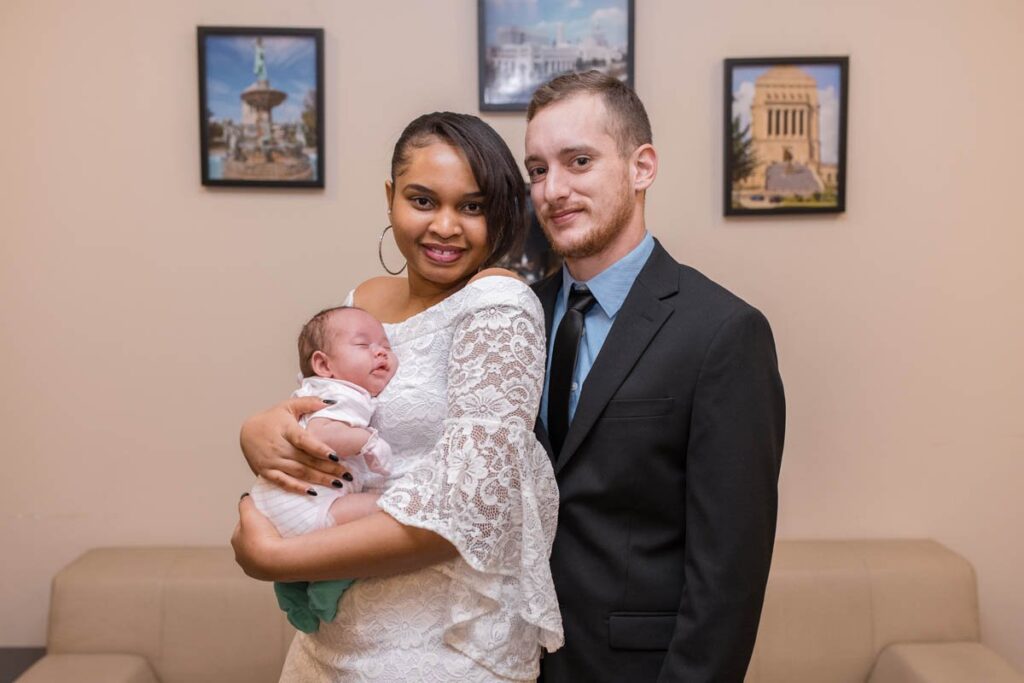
x: 368, y: 295
x: 500, y: 287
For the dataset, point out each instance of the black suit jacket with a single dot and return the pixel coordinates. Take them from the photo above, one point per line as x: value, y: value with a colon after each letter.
x: 668, y: 482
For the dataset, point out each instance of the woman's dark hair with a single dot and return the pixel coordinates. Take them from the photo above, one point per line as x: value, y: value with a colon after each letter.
x: 493, y: 166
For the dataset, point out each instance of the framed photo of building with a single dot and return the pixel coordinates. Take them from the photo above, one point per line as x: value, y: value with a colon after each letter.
x: 785, y: 135
x: 261, y: 106
x: 523, y: 43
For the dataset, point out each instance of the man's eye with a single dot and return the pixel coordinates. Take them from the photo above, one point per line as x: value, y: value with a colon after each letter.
x: 581, y: 162
x: 536, y: 172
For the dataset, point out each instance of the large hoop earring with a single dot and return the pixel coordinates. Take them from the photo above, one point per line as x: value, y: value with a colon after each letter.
x: 380, y: 254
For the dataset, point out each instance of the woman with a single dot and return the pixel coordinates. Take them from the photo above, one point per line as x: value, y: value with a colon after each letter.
x: 471, y: 518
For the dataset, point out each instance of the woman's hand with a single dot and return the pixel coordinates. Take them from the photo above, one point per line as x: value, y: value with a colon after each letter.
x: 255, y: 541
x: 282, y: 452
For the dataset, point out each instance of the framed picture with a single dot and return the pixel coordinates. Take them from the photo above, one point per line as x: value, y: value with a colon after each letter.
x: 785, y: 135
x: 261, y: 106
x: 535, y: 259
x: 523, y: 43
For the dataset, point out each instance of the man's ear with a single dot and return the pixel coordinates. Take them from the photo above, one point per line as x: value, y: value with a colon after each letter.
x: 645, y: 167
x: 320, y: 364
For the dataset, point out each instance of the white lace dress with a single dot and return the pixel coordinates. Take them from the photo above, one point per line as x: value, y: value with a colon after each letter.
x: 459, y: 417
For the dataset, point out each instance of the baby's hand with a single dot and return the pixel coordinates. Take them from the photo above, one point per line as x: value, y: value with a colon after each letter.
x: 377, y: 454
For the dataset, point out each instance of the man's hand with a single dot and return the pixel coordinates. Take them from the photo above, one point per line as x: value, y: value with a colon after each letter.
x: 255, y: 539
x: 282, y: 452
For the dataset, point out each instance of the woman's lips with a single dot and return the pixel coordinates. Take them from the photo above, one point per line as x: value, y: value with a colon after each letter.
x: 442, y: 254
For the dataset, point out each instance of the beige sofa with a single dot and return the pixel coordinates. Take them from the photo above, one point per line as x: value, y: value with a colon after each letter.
x: 899, y: 611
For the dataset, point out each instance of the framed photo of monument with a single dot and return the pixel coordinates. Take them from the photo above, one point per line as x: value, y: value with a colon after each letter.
x: 261, y: 106
x: 785, y: 135
x: 523, y: 43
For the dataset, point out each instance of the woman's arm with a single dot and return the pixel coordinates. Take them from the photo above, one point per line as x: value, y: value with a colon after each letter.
x: 376, y: 545
x: 282, y: 452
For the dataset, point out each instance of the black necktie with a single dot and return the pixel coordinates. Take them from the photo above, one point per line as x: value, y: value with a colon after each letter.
x: 563, y: 363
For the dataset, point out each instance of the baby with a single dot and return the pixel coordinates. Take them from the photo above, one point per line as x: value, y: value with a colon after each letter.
x: 345, y: 359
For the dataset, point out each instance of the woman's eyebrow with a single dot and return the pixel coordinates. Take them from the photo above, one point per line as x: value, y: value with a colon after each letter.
x: 418, y: 188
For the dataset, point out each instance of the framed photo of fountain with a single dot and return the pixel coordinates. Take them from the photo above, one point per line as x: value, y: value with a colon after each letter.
x: 523, y: 43
x: 261, y: 106
x: 785, y: 135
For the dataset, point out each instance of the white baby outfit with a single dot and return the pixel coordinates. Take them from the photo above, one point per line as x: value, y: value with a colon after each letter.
x: 295, y: 513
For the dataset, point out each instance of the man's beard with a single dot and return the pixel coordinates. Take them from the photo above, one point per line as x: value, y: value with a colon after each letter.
x: 597, y: 239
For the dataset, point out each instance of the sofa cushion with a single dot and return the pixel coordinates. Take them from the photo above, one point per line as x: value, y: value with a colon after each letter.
x: 189, y: 611
x: 89, y: 669
x: 942, y: 663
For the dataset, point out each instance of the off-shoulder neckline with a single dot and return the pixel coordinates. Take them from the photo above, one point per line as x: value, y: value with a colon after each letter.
x: 443, y: 302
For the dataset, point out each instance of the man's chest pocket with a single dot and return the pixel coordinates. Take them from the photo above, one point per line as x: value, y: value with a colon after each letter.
x: 637, y: 408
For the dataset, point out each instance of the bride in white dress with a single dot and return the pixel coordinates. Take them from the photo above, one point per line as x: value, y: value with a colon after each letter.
x: 454, y: 582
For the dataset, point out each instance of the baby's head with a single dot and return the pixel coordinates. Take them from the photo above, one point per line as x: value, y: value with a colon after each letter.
x: 347, y: 343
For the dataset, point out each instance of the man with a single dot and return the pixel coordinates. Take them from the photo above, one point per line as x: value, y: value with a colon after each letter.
x: 664, y: 408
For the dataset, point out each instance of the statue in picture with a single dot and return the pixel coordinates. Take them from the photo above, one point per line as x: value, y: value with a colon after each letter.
x: 259, y: 64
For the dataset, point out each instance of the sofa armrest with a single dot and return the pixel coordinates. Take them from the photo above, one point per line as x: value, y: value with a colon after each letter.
x: 89, y: 668
x: 942, y: 663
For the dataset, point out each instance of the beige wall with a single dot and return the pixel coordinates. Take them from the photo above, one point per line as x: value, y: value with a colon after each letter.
x: 144, y: 316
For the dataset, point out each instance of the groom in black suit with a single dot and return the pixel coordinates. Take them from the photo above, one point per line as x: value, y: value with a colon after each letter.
x: 664, y: 409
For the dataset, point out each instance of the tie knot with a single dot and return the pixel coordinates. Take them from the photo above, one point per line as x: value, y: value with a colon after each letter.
x: 580, y: 299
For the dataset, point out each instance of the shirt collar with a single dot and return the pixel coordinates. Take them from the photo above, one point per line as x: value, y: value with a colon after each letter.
x: 612, y: 284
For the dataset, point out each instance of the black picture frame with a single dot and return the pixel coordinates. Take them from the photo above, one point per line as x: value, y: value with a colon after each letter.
x: 515, y: 55
x: 258, y: 151
x: 784, y: 135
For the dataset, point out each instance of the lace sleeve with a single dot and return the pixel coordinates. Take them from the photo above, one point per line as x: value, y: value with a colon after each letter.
x: 489, y: 488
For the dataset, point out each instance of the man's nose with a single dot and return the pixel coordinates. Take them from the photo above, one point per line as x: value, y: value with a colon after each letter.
x: 555, y: 186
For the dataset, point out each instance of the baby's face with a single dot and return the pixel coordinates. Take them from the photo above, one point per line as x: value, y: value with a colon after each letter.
x: 358, y: 351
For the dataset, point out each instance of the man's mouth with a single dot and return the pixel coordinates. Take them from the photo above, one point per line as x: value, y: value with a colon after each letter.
x: 563, y: 216
x: 440, y: 253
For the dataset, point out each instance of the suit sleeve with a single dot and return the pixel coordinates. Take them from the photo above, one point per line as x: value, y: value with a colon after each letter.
x: 732, y: 468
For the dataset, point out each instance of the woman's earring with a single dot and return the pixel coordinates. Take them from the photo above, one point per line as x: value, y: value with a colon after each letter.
x: 380, y: 254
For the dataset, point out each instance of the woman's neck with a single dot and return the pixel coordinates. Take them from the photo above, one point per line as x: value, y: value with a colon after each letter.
x: 423, y: 294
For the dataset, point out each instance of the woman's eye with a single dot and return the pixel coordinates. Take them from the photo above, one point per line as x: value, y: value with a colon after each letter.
x: 421, y: 202
x: 473, y: 207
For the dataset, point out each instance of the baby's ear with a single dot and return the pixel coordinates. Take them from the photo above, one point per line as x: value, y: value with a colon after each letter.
x: 320, y: 364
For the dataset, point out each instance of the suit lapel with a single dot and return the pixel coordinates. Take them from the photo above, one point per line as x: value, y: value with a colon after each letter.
x: 547, y: 291
x: 642, y: 314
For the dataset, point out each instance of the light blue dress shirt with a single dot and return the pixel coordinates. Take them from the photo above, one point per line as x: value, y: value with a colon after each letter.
x: 610, y: 288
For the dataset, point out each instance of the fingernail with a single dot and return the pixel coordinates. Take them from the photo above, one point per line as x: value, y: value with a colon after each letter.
x: 333, y: 457
x: 347, y: 476
x: 329, y: 401
x: 336, y: 484
x: 311, y: 492
x: 244, y: 495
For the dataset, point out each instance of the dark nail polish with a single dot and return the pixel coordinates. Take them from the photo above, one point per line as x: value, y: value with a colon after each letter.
x: 329, y: 401
x: 332, y: 457
x: 347, y: 476
x: 311, y: 492
x: 336, y: 484
x: 244, y: 495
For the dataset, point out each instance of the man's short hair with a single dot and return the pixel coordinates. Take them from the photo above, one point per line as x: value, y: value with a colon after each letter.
x: 628, y: 123
x: 313, y: 338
